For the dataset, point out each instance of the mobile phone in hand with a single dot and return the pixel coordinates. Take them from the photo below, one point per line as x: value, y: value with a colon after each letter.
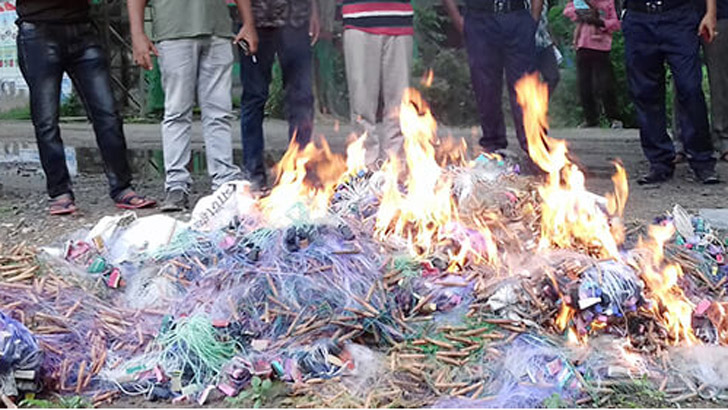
x: 246, y: 49
x: 245, y: 46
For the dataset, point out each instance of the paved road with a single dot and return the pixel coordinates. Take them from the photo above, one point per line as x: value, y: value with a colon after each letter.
x: 22, y: 200
x: 595, y: 147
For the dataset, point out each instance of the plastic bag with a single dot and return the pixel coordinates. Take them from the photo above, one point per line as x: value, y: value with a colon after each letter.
x: 218, y: 210
x: 20, y: 355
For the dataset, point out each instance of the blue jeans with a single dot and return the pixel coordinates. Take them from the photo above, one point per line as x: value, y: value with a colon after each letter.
x: 293, y: 48
x: 498, y: 42
x: 650, y: 41
x: 45, y: 51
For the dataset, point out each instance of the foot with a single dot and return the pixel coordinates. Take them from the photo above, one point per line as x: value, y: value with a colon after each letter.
x: 62, y: 205
x: 707, y: 176
x: 724, y: 156
x: 616, y: 125
x: 129, y: 199
x: 654, y: 177
x: 176, y: 200
x: 680, y: 158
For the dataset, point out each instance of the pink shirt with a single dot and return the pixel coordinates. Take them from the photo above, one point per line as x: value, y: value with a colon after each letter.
x: 590, y: 36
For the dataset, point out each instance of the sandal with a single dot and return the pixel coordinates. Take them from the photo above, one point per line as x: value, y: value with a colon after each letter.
x: 62, y: 205
x: 132, y: 200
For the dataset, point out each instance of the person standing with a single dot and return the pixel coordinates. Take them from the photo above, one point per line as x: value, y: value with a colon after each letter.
x: 378, y: 52
x: 716, y: 58
x: 287, y: 29
x: 57, y: 36
x: 656, y: 32
x: 593, y: 43
x: 194, y: 45
x: 499, y: 36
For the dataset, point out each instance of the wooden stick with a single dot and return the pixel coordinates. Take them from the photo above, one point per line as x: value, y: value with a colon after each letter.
x: 440, y: 343
x: 7, y: 402
x: 475, y: 332
x: 422, y: 303
x: 467, y: 390
x: 272, y: 285
x: 79, y: 378
x: 448, y: 360
x: 293, y: 324
x: 366, y: 305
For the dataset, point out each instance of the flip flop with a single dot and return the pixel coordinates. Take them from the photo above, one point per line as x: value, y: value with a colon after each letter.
x: 62, y: 205
x: 132, y: 200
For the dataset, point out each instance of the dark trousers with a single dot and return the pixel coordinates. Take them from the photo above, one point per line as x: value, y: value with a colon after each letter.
x: 596, y: 84
x: 498, y: 42
x: 548, y: 66
x: 45, y: 51
x: 293, y: 48
x: 650, y: 41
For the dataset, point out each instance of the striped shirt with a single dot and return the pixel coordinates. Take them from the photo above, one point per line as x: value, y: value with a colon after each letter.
x: 392, y: 17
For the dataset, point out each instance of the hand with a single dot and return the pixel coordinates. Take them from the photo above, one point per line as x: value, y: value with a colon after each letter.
x: 707, y: 28
x: 314, y: 27
x: 250, y: 35
x: 143, y: 50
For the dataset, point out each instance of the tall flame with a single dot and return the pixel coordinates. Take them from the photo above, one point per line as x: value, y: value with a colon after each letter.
x: 424, y: 213
x: 672, y: 305
x: 426, y: 205
x: 571, y: 217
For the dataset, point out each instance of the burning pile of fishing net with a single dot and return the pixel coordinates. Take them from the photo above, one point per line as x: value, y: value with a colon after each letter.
x: 432, y: 280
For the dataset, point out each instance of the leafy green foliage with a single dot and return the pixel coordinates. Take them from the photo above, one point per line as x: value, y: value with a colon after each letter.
x: 63, y: 402
x: 260, y: 394
x: 275, y: 106
x: 451, y: 93
x: 73, y: 107
x: 555, y: 402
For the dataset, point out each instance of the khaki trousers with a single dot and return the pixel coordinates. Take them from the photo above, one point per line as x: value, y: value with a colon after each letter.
x: 377, y: 66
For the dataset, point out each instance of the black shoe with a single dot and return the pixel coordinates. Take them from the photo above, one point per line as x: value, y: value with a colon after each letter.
x: 654, y: 177
x: 707, y: 176
x: 176, y: 200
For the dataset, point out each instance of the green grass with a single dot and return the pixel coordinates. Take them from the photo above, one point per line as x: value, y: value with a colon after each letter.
x: 20, y: 113
x: 638, y: 394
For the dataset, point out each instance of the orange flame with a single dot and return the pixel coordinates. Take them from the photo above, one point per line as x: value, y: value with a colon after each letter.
x: 565, y: 316
x: 672, y: 305
x: 571, y: 217
x: 356, y: 154
x: 427, y: 78
x: 423, y: 214
x: 305, y: 176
